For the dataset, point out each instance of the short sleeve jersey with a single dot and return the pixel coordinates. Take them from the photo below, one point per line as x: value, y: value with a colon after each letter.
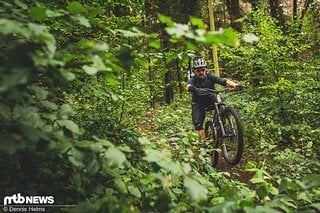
x: 208, y: 82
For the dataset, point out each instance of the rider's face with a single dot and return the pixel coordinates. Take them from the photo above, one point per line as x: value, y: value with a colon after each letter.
x: 200, y: 73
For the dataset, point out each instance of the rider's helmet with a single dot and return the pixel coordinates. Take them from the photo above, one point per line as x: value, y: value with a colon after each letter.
x: 199, y: 63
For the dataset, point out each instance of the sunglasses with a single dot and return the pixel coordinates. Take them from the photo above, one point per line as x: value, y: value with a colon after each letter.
x: 200, y: 70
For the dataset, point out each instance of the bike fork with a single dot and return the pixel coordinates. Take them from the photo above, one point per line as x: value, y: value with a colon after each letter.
x: 219, y: 118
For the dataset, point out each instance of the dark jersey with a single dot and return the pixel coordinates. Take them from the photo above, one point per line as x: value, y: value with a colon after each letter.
x: 207, y: 82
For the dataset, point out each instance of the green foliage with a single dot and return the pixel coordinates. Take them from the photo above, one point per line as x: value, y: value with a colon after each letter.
x: 76, y: 84
x: 289, y: 195
x: 281, y: 109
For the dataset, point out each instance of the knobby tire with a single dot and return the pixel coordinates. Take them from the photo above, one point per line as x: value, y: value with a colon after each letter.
x: 232, y: 144
x: 212, y: 138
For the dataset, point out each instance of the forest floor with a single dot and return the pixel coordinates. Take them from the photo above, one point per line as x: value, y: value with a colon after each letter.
x: 236, y: 172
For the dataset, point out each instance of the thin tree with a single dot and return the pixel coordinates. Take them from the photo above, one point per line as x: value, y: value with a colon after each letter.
x: 234, y: 12
x: 276, y: 11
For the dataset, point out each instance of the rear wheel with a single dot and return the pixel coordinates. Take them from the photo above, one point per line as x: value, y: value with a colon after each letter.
x: 212, y: 138
x: 232, y: 144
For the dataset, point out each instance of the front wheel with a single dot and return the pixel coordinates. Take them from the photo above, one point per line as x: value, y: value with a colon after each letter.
x: 211, y: 136
x: 232, y: 145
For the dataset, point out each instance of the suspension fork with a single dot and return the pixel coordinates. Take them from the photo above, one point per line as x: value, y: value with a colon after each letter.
x: 219, y: 114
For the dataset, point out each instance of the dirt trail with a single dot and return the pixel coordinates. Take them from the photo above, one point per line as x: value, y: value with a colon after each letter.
x: 236, y: 172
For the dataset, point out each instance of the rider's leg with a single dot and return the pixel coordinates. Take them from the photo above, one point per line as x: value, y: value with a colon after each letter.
x: 198, y: 116
x: 202, y: 134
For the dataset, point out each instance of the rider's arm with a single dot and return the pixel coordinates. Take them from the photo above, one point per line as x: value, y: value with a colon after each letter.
x: 222, y: 81
x: 231, y: 84
x: 190, y: 84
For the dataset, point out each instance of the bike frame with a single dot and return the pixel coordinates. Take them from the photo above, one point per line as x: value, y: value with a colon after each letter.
x: 217, y: 115
x: 217, y: 107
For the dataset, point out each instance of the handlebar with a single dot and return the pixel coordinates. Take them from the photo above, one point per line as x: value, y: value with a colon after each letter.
x: 207, y: 91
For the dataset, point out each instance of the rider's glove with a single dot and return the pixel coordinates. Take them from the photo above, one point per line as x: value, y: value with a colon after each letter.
x: 191, y: 88
x: 238, y: 87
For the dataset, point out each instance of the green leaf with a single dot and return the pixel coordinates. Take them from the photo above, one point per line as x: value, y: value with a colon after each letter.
x: 304, y: 196
x: 227, y: 36
x: 38, y: 13
x: 18, y: 76
x: 121, y: 184
x: 92, y: 167
x: 115, y: 156
x: 250, y: 38
x: 225, y: 207
x: 90, y: 70
x: 41, y: 34
x: 311, y: 181
x: 101, y: 47
x: 133, y: 33
x: 262, y: 191
x: 21, y: 4
x: 191, y: 46
x: 12, y: 27
x: 49, y: 105
x: 7, y: 143
x: 134, y: 191
x: 30, y: 132
x: 197, y: 22
x: 152, y: 155
x: 112, y: 79
x: 171, y: 166
x: 179, y: 30
x: 24, y: 113
x: 186, y: 168
x: 65, y: 111
x: 266, y: 209
x: 258, y: 177
x: 77, y: 157
x: 70, y: 125
x: 76, y: 8
x: 40, y: 92
x: 104, y: 142
x: 81, y: 20
x: 309, y: 145
x: 195, y: 189
x: 68, y: 76
x: 99, y: 64
x: 316, y: 206
x: 84, y: 144
x: 97, y: 11
x: 155, y: 44
x: 96, y: 147
x: 5, y: 111
x: 165, y: 20
x: 144, y: 141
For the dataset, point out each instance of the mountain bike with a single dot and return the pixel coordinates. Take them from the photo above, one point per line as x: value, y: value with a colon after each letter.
x: 224, y: 127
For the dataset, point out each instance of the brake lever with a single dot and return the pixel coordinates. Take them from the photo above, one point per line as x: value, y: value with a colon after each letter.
x: 238, y: 87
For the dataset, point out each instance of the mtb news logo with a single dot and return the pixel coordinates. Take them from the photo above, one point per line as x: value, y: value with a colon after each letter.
x: 27, y: 200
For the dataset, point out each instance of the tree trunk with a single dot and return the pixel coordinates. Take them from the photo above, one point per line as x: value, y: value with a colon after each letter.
x: 179, y: 79
x: 276, y: 12
x: 179, y: 11
x: 254, y: 4
x: 151, y: 86
x: 304, y: 11
x: 190, y: 7
x: 295, y: 9
x: 168, y: 87
x: 234, y: 12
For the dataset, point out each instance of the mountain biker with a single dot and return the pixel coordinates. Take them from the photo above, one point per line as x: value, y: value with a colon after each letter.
x: 202, y: 79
